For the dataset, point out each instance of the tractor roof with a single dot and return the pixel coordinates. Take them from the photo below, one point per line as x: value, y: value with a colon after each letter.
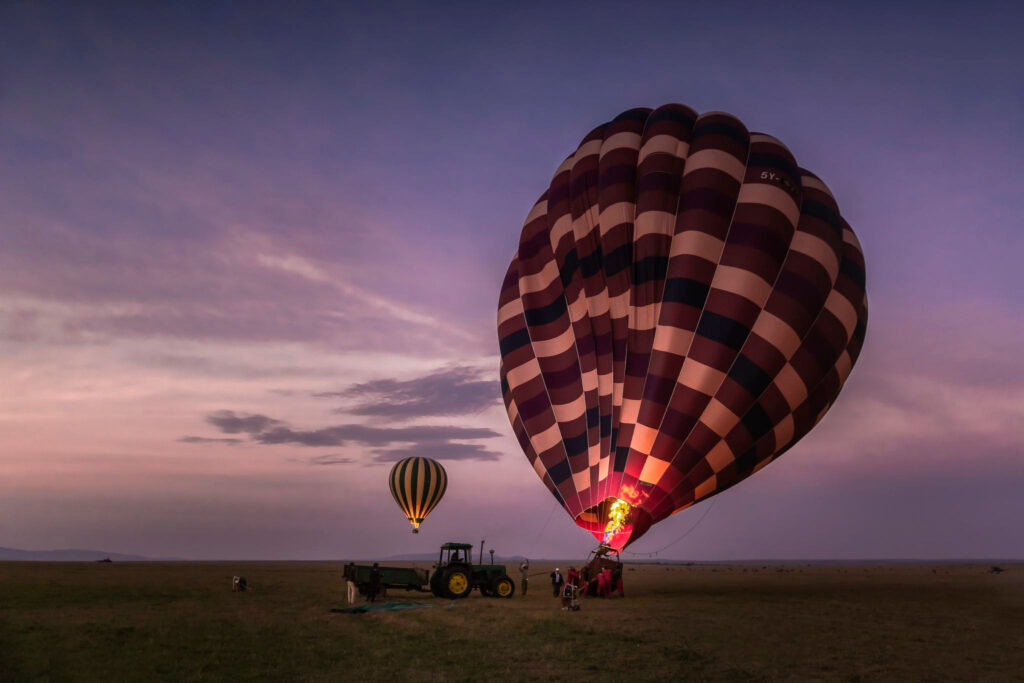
x: 457, y: 546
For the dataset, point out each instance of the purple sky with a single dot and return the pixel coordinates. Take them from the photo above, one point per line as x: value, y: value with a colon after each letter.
x: 250, y: 258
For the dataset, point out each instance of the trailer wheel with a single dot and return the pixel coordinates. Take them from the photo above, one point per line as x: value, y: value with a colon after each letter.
x: 503, y: 587
x: 457, y: 584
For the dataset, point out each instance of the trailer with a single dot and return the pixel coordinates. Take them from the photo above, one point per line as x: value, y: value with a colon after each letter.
x: 407, y: 578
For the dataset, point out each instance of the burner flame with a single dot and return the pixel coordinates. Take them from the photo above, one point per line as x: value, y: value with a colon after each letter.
x: 618, y: 517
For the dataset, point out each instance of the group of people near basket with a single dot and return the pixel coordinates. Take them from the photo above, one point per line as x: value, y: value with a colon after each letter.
x: 575, y: 584
x: 603, y: 583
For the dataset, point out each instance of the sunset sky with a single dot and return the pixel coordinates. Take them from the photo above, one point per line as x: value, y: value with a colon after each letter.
x: 251, y: 257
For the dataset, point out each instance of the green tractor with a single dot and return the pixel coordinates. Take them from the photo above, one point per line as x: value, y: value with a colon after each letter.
x: 455, y: 575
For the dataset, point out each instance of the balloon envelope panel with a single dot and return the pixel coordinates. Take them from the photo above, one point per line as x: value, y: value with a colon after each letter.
x: 685, y: 304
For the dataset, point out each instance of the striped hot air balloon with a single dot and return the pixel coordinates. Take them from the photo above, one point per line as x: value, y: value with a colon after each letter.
x: 685, y: 304
x: 418, y: 484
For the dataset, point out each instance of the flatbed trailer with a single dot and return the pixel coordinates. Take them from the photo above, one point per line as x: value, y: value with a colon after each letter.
x: 407, y: 578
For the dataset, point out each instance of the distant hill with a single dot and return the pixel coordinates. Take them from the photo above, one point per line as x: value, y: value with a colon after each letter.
x: 69, y: 555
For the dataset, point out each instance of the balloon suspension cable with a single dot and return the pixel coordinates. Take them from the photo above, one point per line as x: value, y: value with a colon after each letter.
x: 654, y: 553
x: 544, y: 528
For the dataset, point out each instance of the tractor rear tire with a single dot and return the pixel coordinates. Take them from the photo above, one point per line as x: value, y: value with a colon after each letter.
x: 456, y: 584
x: 503, y: 587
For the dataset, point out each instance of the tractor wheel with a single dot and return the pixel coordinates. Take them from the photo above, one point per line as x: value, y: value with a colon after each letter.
x: 457, y: 584
x: 503, y: 587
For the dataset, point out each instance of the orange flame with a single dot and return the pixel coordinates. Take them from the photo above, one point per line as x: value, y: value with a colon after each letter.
x: 618, y: 517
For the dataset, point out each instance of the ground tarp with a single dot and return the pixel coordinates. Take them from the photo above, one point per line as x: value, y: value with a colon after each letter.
x: 385, y: 607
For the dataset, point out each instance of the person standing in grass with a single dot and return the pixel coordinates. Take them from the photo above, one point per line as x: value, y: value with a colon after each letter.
x: 350, y: 584
x: 574, y: 577
x: 524, y: 568
x: 556, y: 582
x: 606, y: 583
x: 371, y: 591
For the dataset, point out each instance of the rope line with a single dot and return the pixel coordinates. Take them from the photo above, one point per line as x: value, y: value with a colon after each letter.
x: 654, y: 553
x: 544, y: 528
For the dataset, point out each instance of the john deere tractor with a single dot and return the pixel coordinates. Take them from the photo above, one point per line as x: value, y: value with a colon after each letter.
x: 455, y: 575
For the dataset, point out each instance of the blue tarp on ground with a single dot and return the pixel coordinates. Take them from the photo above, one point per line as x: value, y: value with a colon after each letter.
x: 385, y: 607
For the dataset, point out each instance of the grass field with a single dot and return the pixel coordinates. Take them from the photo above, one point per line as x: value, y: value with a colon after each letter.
x: 180, y: 621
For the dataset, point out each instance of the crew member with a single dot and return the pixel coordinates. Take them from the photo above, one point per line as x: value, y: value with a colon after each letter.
x: 556, y: 582
x: 350, y: 584
x: 374, y: 583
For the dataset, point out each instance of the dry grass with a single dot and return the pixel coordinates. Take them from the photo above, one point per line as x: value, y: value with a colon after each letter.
x: 180, y: 621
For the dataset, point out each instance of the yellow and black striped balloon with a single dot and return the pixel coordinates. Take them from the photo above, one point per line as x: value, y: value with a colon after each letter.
x: 418, y: 484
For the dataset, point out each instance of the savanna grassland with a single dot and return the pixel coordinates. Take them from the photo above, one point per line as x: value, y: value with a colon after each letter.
x: 180, y: 621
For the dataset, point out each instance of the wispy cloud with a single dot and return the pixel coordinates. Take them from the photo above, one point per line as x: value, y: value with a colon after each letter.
x: 203, y: 439
x: 332, y: 459
x: 372, y: 436
x: 437, y: 451
x: 917, y: 398
x: 294, y: 264
x: 456, y: 390
x: 230, y: 423
x: 386, y: 444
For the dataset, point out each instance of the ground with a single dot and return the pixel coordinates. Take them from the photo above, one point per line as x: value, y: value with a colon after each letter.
x: 180, y: 621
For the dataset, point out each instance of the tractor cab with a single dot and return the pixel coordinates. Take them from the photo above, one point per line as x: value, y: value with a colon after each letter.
x: 457, y: 553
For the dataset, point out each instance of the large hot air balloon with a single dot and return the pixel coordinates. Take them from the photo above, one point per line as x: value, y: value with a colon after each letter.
x: 685, y: 305
x: 418, y: 484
